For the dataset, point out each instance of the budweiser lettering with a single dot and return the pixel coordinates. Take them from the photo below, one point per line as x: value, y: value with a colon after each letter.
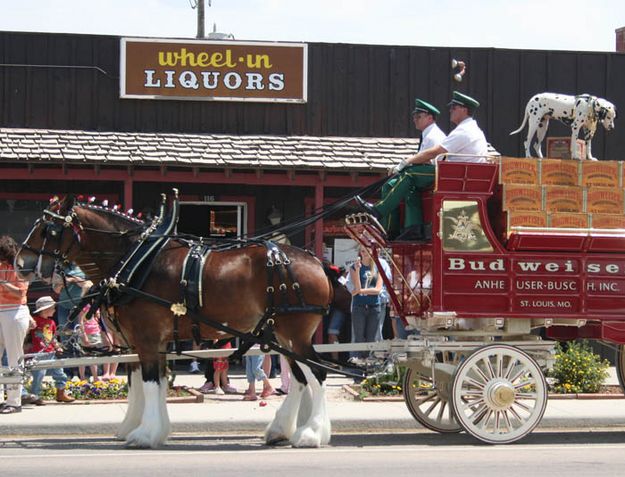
x: 565, y: 266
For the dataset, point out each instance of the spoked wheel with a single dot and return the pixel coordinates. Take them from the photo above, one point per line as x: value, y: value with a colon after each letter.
x: 430, y: 406
x: 499, y: 394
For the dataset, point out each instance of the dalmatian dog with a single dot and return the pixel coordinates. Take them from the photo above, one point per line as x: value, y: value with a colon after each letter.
x: 581, y: 112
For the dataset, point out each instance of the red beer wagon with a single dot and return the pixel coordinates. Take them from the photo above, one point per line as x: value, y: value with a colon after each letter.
x: 523, y: 252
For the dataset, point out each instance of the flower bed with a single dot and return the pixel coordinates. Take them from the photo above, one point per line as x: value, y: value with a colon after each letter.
x: 84, y: 390
x: 386, y: 383
x: 113, y: 390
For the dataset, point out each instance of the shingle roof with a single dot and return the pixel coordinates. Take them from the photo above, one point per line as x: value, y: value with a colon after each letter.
x: 44, y: 146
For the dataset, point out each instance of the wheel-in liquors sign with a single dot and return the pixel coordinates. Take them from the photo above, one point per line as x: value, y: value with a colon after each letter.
x: 213, y: 70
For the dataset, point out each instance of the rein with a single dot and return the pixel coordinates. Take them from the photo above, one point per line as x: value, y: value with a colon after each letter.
x: 298, y: 224
x: 266, y: 340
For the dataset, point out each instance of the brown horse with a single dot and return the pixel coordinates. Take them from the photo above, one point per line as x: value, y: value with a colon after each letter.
x: 235, y: 294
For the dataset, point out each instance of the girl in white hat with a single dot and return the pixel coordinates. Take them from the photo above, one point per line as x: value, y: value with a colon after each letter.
x: 44, y: 341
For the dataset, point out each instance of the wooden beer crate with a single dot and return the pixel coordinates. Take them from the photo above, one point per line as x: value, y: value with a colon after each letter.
x: 561, y: 220
x: 517, y: 197
x: 517, y: 170
x: 601, y: 174
x: 604, y: 200
x: 529, y: 218
x: 607, y: 221
x: 560, y: 147
x: 559, y: 172
x: 563, y: 198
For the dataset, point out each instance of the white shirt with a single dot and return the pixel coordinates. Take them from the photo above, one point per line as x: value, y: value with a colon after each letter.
x: 466, y: 138
x: 430, y: 137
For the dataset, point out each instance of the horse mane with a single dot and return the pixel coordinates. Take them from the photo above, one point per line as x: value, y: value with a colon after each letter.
x: 113, y: 213
x: 117, y: 231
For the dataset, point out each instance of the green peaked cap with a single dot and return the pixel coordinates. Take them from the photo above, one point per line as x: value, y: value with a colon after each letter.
x: 464, y: 100
x: 421, y: 106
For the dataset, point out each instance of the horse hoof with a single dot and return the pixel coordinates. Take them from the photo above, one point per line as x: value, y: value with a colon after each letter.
x: 133, y: 444
x: 278, y: 442
x: 275, y: 437
x: 140, y: 440
x: 306, y: 438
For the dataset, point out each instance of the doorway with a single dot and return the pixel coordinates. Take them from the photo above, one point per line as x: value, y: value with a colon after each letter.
x: 213, y: 219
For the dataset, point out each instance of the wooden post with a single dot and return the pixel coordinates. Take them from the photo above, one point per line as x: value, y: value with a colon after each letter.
x: 200, y: 19
x: 128, y: 193
x: 318, y: 338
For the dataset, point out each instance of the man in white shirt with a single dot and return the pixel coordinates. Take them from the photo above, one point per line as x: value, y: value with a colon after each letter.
x: 424, y: 118
x: 417, y: 173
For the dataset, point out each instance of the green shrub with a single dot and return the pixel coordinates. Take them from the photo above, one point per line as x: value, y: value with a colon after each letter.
x: 578, y: 369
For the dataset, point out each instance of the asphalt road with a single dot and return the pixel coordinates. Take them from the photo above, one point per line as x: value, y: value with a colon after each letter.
x: 549, y: 453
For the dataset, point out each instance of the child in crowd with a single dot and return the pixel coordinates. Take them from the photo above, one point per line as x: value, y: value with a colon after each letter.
x: 209, y: 375
x: 45, y: 342
x: 90, y: 337
x: 109, y: 369
x: 254, y: 372
x: 220, y: 377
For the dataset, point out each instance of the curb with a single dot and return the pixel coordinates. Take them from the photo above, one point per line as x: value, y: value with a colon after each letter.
x: 589, y: 396
x: 206, y: 428
x: 258, y: 427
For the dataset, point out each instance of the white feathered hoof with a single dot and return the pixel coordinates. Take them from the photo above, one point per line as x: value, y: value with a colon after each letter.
x: 275, y: 437
x: 306, y: 437
x: 126, y: 428
x: 276, y: 440
x: 142, y: 438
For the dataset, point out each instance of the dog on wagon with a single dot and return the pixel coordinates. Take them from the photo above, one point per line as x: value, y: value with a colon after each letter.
x: 582, y: 113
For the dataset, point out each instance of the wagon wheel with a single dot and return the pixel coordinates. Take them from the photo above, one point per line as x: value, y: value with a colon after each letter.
x: 620, y: 366
x: 428, y: 405
x: 499, y: 394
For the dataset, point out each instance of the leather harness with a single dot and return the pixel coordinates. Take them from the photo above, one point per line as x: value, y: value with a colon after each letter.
x: 133, y: 269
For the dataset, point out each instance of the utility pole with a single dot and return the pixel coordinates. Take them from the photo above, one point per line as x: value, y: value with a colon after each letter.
x: 200, y: 19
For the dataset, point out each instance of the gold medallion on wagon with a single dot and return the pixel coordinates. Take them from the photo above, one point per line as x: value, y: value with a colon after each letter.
x: 462, y: 227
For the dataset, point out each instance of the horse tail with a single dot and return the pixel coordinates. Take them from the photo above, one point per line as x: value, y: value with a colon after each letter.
x: 339, y: 292
x: 525, y: 116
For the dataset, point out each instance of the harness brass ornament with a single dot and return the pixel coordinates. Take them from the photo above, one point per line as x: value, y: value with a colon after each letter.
x: 178, y: 309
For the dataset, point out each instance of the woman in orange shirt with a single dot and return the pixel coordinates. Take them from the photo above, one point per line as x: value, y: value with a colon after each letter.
x: 14, y: 320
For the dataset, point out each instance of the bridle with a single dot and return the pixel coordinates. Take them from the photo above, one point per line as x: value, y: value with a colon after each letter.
x: 55, y: 229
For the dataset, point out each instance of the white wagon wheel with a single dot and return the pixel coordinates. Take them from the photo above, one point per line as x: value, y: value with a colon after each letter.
x: 430, y: 406
x: 499, y: 394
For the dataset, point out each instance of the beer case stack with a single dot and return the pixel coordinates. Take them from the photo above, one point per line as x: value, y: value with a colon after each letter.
x: 562, y: 193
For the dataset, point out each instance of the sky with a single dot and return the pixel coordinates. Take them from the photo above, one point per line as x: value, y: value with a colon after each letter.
x: 527, y: 24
